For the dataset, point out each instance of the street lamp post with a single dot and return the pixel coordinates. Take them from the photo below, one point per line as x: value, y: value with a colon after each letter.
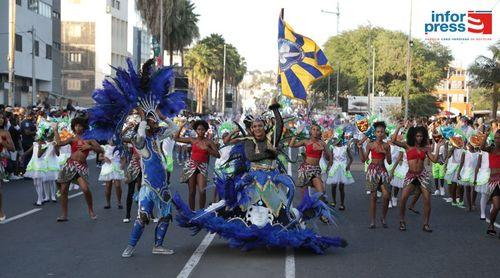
x: 337, y: 13
x: 408, y: 65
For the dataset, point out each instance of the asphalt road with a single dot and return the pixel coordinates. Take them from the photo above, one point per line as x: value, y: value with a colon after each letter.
x: 36, y: 245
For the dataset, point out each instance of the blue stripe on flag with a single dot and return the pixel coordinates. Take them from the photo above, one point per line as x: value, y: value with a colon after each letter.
x: 321, y: 58
x: 310, y: 69
x: 299, y: 40
x: 296, y: 86
x: 281, y: 29
x: 309, y: 55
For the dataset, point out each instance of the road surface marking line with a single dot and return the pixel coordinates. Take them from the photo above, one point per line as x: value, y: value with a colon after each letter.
x: 20, y: 215
x: 290, y: 263
x: 75, y: 195
x: 496, y: 224
x: 195, y: 258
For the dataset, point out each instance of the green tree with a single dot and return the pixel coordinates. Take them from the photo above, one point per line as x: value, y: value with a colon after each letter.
x: 350, y: 54
x: 204, y: 64
x: 180, y: 27
x: 485, y: 73
x: 421, y: 105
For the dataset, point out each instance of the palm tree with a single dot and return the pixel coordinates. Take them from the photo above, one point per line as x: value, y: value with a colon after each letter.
x: 485, y: 72
x: 198, y: 71
x: 180, y: 27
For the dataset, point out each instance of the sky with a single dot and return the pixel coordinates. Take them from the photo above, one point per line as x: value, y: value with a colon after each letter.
x: 251, y: 25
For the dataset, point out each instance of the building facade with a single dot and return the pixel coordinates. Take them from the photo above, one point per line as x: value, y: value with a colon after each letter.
x: 453, y: 92
x: 94, y: 37
x: 37, y: 30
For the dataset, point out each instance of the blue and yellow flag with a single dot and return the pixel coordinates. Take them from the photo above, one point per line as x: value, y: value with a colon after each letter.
x: 301, y: 61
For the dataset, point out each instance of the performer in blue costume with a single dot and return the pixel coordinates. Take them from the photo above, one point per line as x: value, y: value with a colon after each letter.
x: 256, y: 199
x: 147, y: 91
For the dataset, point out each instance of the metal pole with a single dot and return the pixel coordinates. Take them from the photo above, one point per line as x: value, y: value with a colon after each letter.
x: 33, y: 77
x: 12, y: 48
x: 408, y: 65
x: 373, y: 74
x: 338, y: 62
x: 369, y: 81
x: 328, y: 91
x: 224, y: 83
x: 161, y: 33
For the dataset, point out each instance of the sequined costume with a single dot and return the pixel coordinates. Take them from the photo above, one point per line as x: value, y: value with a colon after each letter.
x: 256, y: 202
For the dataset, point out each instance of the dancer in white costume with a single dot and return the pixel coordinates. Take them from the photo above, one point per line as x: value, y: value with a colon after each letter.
x: 36, y: 171
x: 340, y: 171
x: 467, y: 174
x: 483, y: 175
x: 112, y: 174
x: 49, y: 152
x: 397, y: 171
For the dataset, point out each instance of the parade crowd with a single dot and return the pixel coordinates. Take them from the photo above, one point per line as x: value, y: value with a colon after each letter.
x: 454, y: 157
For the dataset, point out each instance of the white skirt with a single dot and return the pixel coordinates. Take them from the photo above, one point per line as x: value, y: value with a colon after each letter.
x: 483, y: 177
x: 399, y: 175
x: 467, y: 177
x: 451, y: 173
x: 338, y: 174
x: 111, y: 171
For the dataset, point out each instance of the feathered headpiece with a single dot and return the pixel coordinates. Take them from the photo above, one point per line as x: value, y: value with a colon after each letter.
x: 148, y: 90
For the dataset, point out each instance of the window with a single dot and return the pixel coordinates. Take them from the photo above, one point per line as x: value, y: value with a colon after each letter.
x: 19, y: 43
x: 19, y: 2
x: 37, y: 48
x: 74, y: 85
x: 115, y: 4
x: 75, y: 58
x: 48, y: 52
x: 57, y: 45
x: 56, y: 15
x: 40, y: 8
x: 75, y: 30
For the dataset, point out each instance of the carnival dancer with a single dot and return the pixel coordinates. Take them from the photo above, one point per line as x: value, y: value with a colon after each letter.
x: 494, y: 182
x: 6, y: 143
x: 482, y: 173
x: 154, y: 191
x: 376, y: 175
x: 339, y: 173
x: 417, y: 178
x: 467, y: 176
x: 167, y: 147
x: 148, y: 93
x: 256, y: 201
x: 309, y: 172
x: 48, y: 152
x: 451, y: 176
x: 111, y: 173
x: 133, y: 175
x: 438, y: 168
x: 397, y: 170
x: 36, y: 170
x: 75, y: 169
x: 195, y: 171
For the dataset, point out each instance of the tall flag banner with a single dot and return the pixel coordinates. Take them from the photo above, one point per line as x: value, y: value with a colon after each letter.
x: 301, y: 61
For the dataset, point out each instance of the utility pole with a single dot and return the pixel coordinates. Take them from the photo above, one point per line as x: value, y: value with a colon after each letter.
x: 337, y: 13
x: 161, y: 32
x: 224, y: 83
x: 12, y: 49
x: 408, y: 64
x: 33, y: 77
x: 373, y: 73
x: 369, y: 81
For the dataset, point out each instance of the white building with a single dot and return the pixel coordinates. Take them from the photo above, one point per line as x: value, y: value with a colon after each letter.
x: 42, y: 16
x: 94, y: 36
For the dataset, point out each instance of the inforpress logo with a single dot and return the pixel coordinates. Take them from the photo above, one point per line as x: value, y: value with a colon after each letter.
x: 480, y: 22
x: 452, y: 23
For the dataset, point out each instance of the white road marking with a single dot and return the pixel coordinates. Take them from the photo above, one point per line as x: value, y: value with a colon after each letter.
x: 20, y: 216
x: 290, y: 263
x: 496, y: 224
x: 75, y: 195
x: 195, y: 258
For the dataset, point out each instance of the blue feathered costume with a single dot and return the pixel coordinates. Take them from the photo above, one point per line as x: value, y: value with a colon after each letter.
x: 256, y: 201
x: 147, y: 91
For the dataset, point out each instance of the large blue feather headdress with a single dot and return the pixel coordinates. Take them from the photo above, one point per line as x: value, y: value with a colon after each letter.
x: 148, y: 90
